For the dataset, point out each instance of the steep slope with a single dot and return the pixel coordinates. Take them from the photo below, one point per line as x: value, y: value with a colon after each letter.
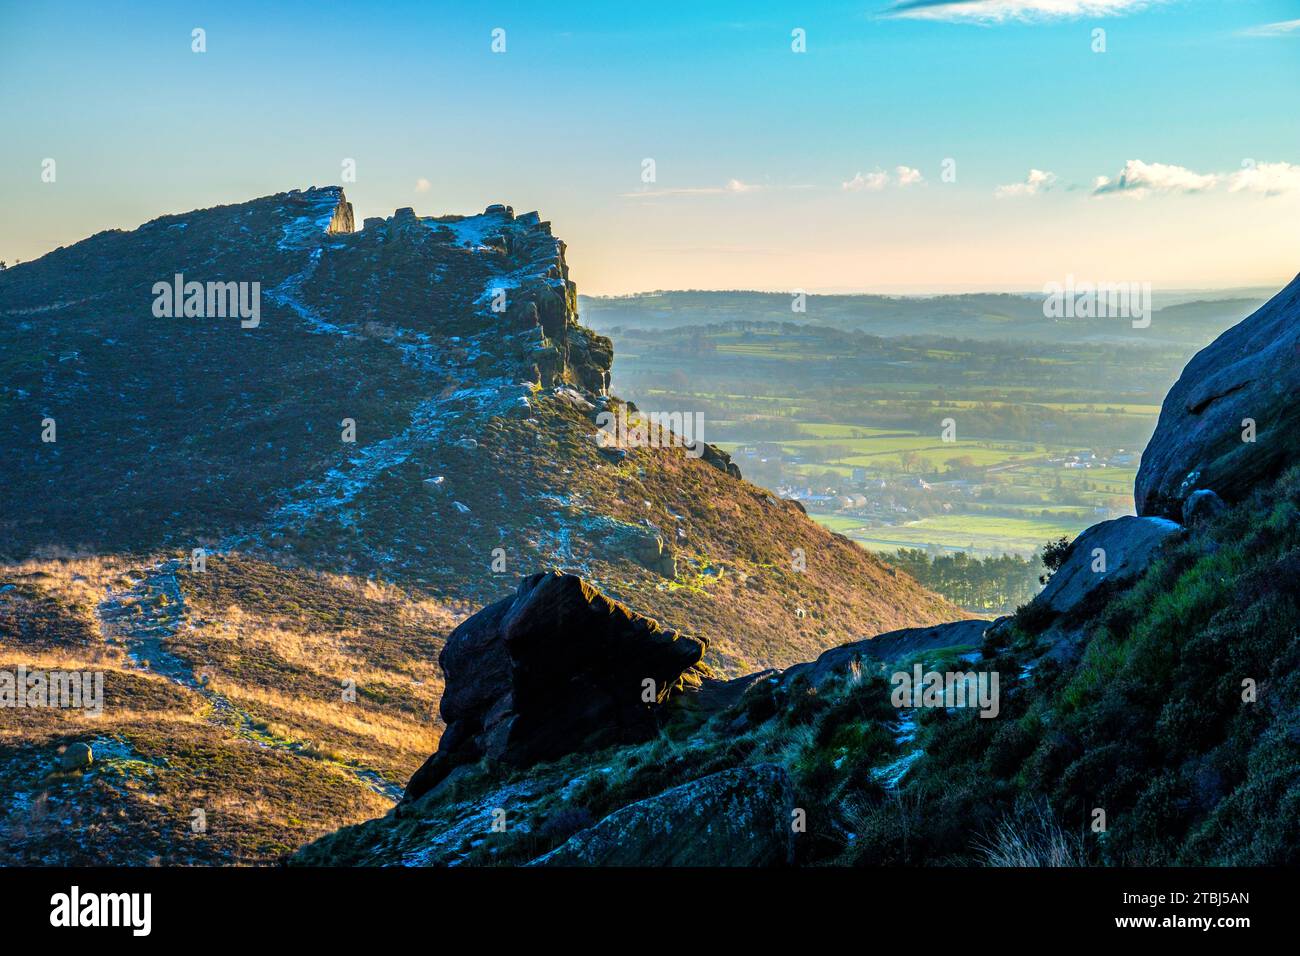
x: 1172, y: 711
x: 141, y: 426
x: 226, y: 733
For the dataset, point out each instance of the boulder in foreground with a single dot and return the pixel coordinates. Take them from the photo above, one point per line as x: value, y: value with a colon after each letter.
x: 554, y: 669
x: 1110, y: 552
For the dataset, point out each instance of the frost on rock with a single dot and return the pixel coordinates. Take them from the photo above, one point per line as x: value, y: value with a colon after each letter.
x: 321, y: 212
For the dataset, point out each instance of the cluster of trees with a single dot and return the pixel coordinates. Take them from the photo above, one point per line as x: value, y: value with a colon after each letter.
x: 993, y: 585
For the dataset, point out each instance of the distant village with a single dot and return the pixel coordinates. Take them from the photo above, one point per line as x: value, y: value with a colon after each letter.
x: 891, y: 493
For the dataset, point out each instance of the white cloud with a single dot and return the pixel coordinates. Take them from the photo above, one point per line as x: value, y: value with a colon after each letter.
x: 1271, y: 179
x: 423, y: 185
x: 732, y: 187
x: 1037, y: 181
x: 874, y: 182
x: 1000, y: 11
x: 1283, y: 28
x: 907, y: 176
x: 1137, y: 179
x: 871, y: 182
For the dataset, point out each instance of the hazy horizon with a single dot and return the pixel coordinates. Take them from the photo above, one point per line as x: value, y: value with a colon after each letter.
x: 1218, y: 291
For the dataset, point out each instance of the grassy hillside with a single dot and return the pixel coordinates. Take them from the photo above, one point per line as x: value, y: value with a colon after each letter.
x: 1148, y: 722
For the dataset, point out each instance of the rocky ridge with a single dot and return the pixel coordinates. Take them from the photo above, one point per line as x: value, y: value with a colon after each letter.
x: 448, y: 350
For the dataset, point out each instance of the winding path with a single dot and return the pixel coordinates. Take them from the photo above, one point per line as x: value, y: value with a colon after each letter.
x: 145, y: 616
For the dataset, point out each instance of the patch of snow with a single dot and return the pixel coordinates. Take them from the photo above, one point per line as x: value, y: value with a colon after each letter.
x: 470, y: 232
x: 892, y: 774
x: 288, y: 294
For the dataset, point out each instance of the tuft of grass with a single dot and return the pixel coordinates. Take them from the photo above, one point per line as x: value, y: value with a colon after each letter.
x: 1030, y: 836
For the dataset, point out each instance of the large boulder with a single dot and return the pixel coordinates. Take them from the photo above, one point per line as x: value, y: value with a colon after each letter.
x: 554, y: 669
x: 76, y: 756
x: 738, y: 817
x: 1251, y: 371
x: 1202, y: 506
x: 890, y: 647
x: 1112, y: 552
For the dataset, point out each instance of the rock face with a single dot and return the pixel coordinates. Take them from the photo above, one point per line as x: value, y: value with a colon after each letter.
x: 889, y: 647
x: 720, y: 460
x: 1126, y: 545
x: 556, y: 668
x: 1251, y: 371
x: 341, y: 222
x: 738, y: 817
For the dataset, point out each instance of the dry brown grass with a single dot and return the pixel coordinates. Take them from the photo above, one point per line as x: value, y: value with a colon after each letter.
x: 275, y: 641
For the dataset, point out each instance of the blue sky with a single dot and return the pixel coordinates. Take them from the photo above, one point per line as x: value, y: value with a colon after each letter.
x: 773, y: 169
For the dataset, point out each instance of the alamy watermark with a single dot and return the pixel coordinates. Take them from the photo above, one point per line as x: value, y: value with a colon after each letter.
x: 654, y: 430
x: 1098, y: 300
x: 68, y: 690
x: 133, y: 911
x: 208, y: 300
x: 948, y: 689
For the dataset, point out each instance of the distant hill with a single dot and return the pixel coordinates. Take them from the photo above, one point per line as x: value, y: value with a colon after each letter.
x: 980, y: 316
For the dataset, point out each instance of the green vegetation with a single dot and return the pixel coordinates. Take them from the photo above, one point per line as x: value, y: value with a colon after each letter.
x: 919, y: 442
x: 975, y: 535
x: 990, y: 585
x: 1177, y: 719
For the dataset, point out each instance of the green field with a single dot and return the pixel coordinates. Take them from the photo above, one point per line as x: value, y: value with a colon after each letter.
x: 1014, y: 522
x: 973, y: 533
x: 820, y: 404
